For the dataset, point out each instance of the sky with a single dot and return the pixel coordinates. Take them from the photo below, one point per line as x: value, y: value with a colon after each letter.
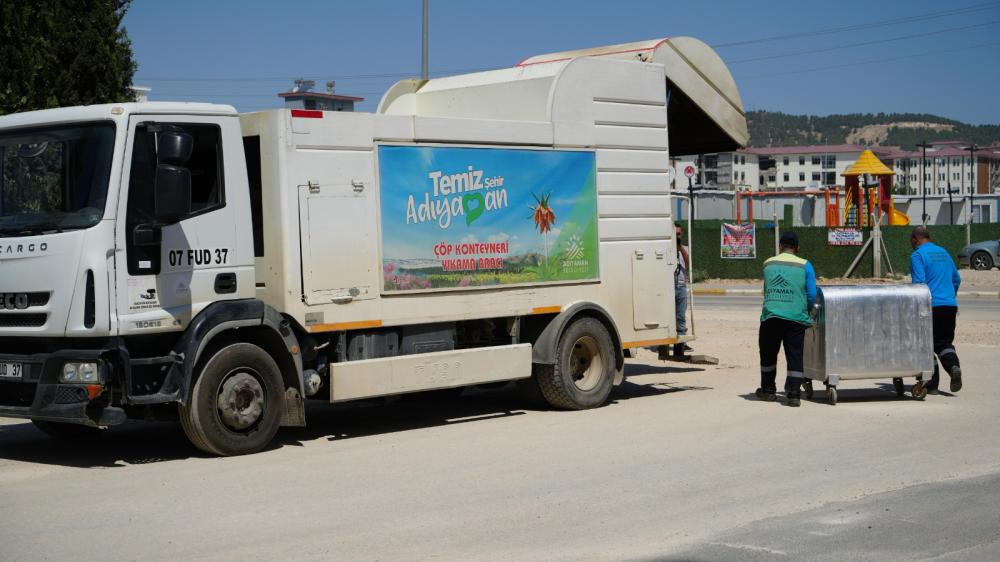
x: 896, y: 56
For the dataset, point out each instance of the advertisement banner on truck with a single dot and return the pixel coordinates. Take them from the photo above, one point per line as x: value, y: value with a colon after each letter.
x: 477, y: 217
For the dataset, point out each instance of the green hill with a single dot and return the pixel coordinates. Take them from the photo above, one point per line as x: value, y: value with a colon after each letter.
x: 772, y: 128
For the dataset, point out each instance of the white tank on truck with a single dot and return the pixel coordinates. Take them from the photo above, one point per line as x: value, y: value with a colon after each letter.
x: 182, y: 261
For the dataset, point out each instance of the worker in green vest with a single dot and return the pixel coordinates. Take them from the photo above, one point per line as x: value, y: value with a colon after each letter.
x: 789, y: 294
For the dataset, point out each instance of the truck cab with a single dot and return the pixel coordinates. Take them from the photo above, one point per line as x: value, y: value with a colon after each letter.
x: 119, y: 224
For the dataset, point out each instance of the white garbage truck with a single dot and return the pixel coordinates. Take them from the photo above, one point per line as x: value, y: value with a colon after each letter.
x: 183, y: 261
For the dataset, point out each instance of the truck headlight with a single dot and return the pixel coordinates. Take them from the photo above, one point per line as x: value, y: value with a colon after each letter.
x: 80, y: 373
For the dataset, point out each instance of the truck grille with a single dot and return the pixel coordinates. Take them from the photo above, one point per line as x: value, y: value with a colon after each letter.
x: 19, y: 301
x: 31, y: 320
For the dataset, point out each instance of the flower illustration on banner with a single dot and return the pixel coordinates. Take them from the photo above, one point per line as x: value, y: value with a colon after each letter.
x: 542, y: 213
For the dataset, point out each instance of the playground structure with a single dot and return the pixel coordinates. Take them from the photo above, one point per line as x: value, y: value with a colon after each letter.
x: 832, y: 214
x: 863, y: 201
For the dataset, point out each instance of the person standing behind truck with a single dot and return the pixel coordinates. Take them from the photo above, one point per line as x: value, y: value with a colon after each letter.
x: 681, y: 290
x: 789, y: 294
x: 933, y: 265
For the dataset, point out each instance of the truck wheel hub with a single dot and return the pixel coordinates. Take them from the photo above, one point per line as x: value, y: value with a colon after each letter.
x: 241, y: 401
x: 586, y: 363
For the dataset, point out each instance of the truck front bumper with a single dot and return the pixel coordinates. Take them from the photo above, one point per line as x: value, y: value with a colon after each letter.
x: 38, y: 394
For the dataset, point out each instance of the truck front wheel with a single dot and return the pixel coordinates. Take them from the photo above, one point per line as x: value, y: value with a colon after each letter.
x: 585, y: 367
x: 235, y: 405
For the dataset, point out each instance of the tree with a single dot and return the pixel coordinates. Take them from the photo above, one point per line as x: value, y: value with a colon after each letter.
x: 58, y: 53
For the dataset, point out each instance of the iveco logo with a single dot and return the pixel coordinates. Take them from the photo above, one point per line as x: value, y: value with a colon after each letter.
x: 22, y: 249
x: 14, y: 301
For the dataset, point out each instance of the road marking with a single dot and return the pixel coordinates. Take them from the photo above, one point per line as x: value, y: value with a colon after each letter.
x: 751, y: 547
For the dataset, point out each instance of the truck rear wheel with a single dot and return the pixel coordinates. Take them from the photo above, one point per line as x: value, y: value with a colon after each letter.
x: 236, y: 402
x: 585, y: 367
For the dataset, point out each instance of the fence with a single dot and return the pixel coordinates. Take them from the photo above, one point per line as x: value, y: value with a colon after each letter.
x: 829, y: 261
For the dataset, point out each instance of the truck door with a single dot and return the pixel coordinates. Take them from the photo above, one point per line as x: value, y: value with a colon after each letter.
x: 167, y: 273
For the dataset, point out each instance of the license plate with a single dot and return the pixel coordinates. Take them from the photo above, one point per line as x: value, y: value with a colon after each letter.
x: 11, y: 370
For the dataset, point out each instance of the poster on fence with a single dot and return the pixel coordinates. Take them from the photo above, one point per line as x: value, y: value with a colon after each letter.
x: 844, y: 237
x: 739, y: 241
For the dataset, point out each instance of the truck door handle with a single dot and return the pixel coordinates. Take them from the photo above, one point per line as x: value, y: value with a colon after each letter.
x: 225, y: 283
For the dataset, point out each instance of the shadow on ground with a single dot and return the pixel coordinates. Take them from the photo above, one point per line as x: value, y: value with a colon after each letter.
x: 880, y: 392
x: 151, y: 442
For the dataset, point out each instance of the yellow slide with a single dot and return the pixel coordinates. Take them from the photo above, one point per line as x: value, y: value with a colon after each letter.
x: 898, y: 219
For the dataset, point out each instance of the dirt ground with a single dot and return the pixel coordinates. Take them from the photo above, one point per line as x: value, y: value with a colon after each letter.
x: 739, y: 347
x: 971, y: 280
x: 681, y: 457
x: 980, y: 279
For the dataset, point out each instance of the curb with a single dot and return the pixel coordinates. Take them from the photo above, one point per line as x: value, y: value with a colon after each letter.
x: 719, y: 292
x: 758, y: 292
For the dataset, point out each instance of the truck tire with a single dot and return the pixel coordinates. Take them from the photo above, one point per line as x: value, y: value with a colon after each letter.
x: 528, y: 388
x: 981, y: 261
x: 585, y: 367
x: 67, y: 431
x: 236, y: 403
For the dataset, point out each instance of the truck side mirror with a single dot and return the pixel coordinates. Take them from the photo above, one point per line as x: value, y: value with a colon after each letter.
x: 172, y: 190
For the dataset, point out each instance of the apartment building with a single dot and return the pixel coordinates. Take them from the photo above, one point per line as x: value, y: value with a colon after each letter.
x: 947, y: 165
x: 791, y: 168
x: 785, y: 168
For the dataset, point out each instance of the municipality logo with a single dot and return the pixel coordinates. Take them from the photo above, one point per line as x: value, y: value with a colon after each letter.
x: 780, y: 286
x: 781, y: 282
x: 574, y: 248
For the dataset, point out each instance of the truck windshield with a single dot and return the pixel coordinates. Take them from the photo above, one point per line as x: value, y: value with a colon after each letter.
x: 55, y: 178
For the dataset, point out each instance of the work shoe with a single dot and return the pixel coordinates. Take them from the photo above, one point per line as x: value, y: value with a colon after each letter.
x: 794, y: 401
x: 766, y: 395
x: 956, y: 378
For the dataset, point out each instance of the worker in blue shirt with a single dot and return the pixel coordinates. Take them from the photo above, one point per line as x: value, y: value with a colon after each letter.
x: 789, y: 294
x: 933, y: 265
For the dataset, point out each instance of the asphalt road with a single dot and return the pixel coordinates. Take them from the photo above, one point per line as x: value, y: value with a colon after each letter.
x: 953, y: 520
x: 683, y: 464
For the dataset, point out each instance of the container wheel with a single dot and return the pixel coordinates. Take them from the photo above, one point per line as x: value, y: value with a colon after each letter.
x: 584, y: 372
x: 808, y: 385
x: 900, y: 389
x: 831, y: 393
x: 236, y: 403
x: 918, y: 390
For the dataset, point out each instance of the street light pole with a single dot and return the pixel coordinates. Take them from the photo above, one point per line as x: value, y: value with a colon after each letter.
x: 923, y: 181
x: 423, y: 46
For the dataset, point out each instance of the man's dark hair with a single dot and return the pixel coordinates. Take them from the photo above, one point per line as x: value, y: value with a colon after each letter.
x: 789, y: 240
x: 921, y: 233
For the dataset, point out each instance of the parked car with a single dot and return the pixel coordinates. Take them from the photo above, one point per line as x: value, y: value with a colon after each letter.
x: 981, y: 255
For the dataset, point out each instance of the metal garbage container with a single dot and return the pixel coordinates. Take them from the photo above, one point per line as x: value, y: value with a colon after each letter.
x: 870, y: 332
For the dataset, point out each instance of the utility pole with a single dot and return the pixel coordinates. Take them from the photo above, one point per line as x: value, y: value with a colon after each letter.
x: 972, y: 148
x: 951, y: 205
x: 923, y: 181
x: 423, y: 46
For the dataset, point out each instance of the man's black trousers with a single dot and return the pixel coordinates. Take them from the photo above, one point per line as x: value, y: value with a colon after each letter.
x: 773, y: 333
x: 943, y: 319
